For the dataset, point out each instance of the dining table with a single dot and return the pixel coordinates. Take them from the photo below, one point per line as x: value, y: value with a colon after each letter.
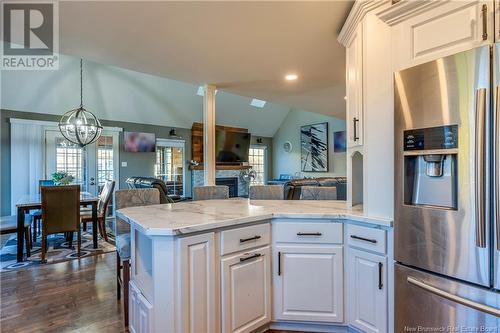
x: 27, y: 203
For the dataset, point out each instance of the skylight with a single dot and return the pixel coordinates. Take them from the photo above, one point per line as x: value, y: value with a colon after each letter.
x: 257, y: 103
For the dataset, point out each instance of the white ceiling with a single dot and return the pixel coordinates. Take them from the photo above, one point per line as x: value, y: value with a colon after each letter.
x: 242, y: 47
x: 114, y: 93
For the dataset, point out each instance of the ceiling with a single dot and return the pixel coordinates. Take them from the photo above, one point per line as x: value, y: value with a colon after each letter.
x: 244, y: 48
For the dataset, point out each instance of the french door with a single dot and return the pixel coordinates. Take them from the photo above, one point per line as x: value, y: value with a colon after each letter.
x: 91, y: 166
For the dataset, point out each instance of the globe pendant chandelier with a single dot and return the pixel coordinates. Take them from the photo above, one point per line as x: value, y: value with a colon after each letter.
x: 80, y: 126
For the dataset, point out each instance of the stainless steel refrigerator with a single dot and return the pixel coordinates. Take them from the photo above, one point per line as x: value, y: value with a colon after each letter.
x: 447, y: 219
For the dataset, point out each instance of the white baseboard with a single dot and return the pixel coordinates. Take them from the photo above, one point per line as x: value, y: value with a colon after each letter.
x: 310, y: 327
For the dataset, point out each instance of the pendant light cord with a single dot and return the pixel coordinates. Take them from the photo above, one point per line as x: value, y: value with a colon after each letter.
x: 81, y: 82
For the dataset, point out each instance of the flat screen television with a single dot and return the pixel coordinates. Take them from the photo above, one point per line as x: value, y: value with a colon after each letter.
x: 231, y: 147
x: 137, y: 142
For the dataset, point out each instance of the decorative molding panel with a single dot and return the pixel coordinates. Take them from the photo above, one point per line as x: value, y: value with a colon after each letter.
x: 356, y: 15
x: 406, y: 9
x: 425, y: 40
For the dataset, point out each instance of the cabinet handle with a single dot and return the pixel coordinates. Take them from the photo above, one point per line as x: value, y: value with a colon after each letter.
x: 309, y: 234
x: 279, y: 263
x: 256, y: 255
x: 380, y: 284
x: 374, y: 241
x: 485, y: 21
x: 355, y: 128
x: 243, y: 240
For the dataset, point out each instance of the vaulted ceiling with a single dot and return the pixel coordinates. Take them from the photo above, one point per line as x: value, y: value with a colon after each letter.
x: 244, y: 48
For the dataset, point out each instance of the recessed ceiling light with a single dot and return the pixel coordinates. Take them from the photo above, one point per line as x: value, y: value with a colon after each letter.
x: 257, y: 103
x: 291, y: 77
x: 201, y: 91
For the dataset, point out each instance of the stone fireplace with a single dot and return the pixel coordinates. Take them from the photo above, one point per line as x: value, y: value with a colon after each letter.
x: 231, y: 178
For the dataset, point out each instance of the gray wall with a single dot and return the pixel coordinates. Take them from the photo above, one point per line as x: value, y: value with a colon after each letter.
x: 290, y: 131
x: 139, y: 164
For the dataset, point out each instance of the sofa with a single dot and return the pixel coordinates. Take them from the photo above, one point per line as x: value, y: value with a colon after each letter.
x: 151, y: 182
x: 293, y: 187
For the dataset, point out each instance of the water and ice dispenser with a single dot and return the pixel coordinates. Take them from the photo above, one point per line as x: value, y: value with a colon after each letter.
x: 430, y: 166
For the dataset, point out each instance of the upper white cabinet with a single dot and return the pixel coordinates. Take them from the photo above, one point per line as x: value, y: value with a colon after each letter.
x: 438, y: 28
x: 246, y: 290
x: 354, y: 89
x: 308, y: 283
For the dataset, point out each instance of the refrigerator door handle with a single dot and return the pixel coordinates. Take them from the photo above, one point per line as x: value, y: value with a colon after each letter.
x: 496, y: 158
x: 480, y: 166
x: 454, y: 298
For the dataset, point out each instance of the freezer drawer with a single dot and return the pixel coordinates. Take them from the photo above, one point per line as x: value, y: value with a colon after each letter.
x: 426, y: 302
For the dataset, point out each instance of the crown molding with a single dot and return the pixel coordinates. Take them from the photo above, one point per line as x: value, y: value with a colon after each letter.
x: 357, y: 13
x: 405, y: 9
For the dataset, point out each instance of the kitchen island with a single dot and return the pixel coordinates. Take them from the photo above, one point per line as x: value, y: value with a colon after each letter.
x: 242, y: 265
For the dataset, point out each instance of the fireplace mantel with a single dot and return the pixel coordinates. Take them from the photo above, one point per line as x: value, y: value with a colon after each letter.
x: 222, y: 167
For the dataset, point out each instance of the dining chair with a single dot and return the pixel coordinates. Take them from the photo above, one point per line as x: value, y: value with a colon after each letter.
x: 318, y: 193
x: 266, y: 192
x: 60, y: 213
x: 211, y: 192
x: 8, y: 225
x: 37, y: 214
x: 123, y: 199
x: 102, y: 209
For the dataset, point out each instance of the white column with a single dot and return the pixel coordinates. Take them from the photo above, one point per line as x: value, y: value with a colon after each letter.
x: 209, y: 134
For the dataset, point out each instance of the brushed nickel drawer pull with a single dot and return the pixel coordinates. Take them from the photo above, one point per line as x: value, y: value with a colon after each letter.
x: 309, y: 234
x: 374, y: 241
x: 485, y: 21
x: 243, y: 240
x: 256, y: 255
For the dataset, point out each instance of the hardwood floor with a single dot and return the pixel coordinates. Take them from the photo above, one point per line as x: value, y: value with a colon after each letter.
x: 73, y: 296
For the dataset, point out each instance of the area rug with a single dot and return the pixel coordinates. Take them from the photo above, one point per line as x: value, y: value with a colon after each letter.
x: 58, y: 250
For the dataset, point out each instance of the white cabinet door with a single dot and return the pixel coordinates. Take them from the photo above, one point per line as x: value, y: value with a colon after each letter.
x: 308, y: 283
x: 196, y: 281
x: 443, y: 30
x: 367, y: 291
x: 354, y: 91
x: 140, y: 311
x: 246, y: 290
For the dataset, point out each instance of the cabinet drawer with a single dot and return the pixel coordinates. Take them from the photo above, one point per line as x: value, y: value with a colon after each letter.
x: 308, y: 232
x: 366, y: 238
x: 244, y: 238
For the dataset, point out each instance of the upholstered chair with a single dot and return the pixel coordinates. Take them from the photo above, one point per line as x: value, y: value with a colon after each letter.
x: 266, y: 192
x: 60, y: 213
x: 102, y: 209
x: 211, y: 192
x: 123, y: 199
x: 318, y: 193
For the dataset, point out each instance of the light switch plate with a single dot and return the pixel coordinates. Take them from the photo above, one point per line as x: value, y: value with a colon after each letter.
x: 124, y: 164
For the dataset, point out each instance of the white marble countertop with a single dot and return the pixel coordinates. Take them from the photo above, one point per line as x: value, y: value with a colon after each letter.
x: 194, y: 216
